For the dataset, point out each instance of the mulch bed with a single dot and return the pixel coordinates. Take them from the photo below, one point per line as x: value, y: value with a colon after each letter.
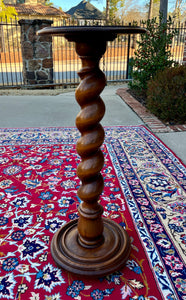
x: 142, y: 99
x: 139, y: 98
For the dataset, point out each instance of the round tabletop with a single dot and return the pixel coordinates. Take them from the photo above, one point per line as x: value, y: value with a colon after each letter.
x: 79, y: 33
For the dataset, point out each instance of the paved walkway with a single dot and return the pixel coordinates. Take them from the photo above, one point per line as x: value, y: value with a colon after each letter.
x: 174, y: 136
x: 61, y: 110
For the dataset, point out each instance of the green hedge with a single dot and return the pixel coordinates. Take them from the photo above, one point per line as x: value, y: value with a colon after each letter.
x: 166, y: 95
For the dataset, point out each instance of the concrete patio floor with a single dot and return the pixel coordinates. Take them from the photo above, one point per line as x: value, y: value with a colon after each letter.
x: 61, y: 110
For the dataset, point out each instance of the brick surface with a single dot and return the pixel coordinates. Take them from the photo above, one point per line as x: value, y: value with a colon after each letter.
x: 150, y: 120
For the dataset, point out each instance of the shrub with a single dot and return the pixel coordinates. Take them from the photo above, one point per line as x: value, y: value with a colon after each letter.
x: 166, y: 95
x: 153, y: 53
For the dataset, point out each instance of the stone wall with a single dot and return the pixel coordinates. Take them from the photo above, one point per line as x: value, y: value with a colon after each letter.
x: 36, y: 53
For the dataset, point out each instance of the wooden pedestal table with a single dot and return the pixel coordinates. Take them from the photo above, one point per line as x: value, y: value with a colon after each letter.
x: 92, y: 245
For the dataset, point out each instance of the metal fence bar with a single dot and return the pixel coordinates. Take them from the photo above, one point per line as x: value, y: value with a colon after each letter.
x: 66, y: 63
x: 1, y: 49
x: 13, y: 67
x: 9, y: 57
x: 128, y: 53
x: 10, y: 54
x: 4, y: 59
x: 177, y: 48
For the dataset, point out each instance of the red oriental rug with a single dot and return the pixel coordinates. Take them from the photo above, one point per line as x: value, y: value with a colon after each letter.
x: 144, y: 193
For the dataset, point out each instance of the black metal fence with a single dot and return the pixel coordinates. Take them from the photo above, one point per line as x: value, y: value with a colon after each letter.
x: 115, y: 62
x: 10, y: 54
x: 177, y: 49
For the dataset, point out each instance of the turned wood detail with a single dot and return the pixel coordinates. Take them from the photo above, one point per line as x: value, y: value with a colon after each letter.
x: 93, y: 81
x: 90, y: 246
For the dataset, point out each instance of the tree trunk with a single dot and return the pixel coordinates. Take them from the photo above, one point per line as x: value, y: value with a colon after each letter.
x: 163, y: 9
x: 150, y: 9
x: 176, y: 5
x: 107, y: 11
x: 177, y: 9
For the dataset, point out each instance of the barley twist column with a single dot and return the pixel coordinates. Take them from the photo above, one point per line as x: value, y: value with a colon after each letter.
x: 90, y: 224
x: 90, y: 246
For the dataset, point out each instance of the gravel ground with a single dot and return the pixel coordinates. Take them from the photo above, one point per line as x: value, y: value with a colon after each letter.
x: 36, y: 92
x: 47, y: 92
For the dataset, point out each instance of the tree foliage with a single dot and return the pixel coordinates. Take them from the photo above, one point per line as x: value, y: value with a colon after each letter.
x: 153, y: 8
x: 49, y: 3
x: 112, y: 7
x: 180, y: 10
x: 115, y: 5
x: 6, y: 13
x: 166, y: 95
x: 153, y: 52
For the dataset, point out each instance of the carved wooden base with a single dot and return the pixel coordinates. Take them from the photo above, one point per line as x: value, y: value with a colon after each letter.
x: 108, y: 257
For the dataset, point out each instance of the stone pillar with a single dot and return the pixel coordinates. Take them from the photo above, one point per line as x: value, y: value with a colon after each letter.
x: 36, y: 52
x: 184, y: 50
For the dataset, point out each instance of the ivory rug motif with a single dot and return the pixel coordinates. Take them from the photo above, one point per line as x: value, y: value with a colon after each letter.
x: 144, y: 192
